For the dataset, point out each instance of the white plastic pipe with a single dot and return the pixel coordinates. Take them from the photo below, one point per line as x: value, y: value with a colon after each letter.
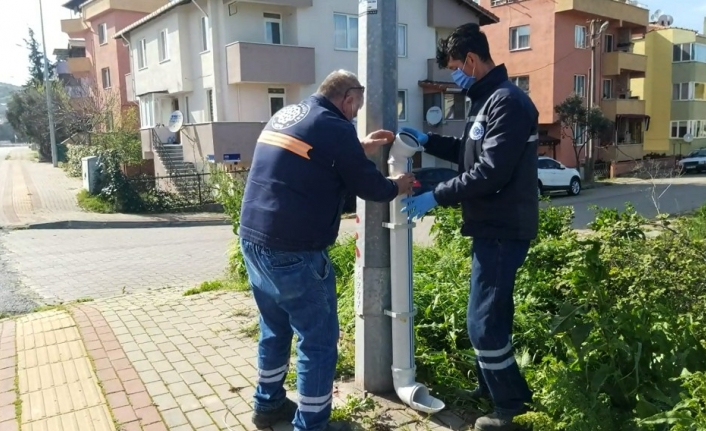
x: 408, y: 390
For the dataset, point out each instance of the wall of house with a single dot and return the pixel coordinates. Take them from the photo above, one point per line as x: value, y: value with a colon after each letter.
x: 113, y: 54
x: 536, y: 61
x: 159, y: 75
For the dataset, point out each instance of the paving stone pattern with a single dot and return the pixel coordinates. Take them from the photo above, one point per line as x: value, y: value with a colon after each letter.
x: 200, y: 367
x: 64, y: 265
x: 58, y: 387
x: 127, y: 396
x: 8, y: 364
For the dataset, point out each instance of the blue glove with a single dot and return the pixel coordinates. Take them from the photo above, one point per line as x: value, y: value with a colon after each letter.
x: 422, y: 138
x: 417, y: 206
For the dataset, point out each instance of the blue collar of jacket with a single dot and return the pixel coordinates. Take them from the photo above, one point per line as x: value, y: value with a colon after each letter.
x: 327, y: 104
x: 487, y: 84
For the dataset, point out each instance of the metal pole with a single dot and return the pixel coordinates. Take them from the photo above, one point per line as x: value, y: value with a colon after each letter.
x: 47, y: 91
x: 377, y: 70
x: 588, y: 175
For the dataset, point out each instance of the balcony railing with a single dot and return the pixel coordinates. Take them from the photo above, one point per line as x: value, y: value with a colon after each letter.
x: 616, y: 62
x: 269, y: 63
x: 626, y: 11
x: 614, y: 107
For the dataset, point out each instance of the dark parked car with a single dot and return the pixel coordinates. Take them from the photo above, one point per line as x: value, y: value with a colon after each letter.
x: 427, y: 179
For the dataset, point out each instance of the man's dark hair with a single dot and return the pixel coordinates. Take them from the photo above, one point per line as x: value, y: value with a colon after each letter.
x: 466, y: 38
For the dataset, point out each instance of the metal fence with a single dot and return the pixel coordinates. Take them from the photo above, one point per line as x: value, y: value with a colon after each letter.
x: 182, y: 191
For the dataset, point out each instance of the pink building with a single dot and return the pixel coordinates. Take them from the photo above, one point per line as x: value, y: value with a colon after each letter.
x: 546, y: 46
x: 106, y: 60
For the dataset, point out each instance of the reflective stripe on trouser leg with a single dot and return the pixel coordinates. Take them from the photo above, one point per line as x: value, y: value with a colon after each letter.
x: 272, y: 376
x: 315, y: 404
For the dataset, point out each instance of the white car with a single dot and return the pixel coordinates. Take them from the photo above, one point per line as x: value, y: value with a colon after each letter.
x: 694, y: 162
x: 553, y: 176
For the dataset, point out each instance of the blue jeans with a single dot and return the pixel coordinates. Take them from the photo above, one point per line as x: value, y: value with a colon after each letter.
x: 295, y: 293
x: 490, y: 316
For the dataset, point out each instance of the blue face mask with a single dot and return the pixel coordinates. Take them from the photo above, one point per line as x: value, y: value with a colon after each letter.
x: 461, y: 79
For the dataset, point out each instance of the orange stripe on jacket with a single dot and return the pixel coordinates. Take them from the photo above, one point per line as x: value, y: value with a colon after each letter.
x: 286, y: 142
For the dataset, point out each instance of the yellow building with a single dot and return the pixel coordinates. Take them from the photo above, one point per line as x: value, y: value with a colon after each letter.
x: 674, y: 89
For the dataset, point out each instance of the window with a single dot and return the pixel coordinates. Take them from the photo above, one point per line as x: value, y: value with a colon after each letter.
x: 273, y: 28
x: 522, y: 82
x: 608, y: 43
x: 103, y: 34
x: 607, y: 88
x: 678, y: 129
x: 204, y: 34
x: 402, y: 40
x: 276, y: 96
x: 148, y: 110
x: 548, y: 164
x: 345, y: 32
x: 142, y: 54
x: 580, y: 37
x: 681, y: 91
x: 698, y: 91
x: 519, y: 38
x: 580, y: 85
x: 164, y: 45
x: 209, y: 105
x: 187, y: 109
x: 401, y: 105
x: 579, y: 135
x: 455, y: 106
x: 689, y: 52
x: 105, y: 76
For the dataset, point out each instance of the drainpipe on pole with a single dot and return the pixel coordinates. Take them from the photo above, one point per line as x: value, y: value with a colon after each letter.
x: 402, y: 310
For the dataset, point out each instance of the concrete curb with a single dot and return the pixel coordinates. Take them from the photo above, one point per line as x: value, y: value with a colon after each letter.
x: 119, y: 224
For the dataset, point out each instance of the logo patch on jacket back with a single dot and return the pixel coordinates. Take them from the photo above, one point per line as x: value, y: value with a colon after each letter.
x: 289, y: 116
x: 477, y: 131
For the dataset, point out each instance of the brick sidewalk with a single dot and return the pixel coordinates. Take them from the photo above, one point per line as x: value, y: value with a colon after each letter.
x: 149, y: 361
x: 38, y: 194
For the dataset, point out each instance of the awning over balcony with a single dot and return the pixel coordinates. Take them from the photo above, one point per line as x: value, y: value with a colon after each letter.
x: 437, y: 86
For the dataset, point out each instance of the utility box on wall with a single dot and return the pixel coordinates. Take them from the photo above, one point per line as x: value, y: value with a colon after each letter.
x: 90, y: 173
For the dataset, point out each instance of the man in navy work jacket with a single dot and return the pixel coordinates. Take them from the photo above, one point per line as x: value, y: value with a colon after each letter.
x: 306, y: 160
x: 497, y: 190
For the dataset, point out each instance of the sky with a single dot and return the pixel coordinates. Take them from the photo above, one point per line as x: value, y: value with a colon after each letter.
x: 16, y: 16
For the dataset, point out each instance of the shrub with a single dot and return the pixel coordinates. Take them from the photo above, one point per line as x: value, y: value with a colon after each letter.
x: 605, y: 324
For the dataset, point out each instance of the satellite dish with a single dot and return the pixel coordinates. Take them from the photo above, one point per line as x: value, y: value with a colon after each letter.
x: 688, y: 138
x: 665, y: 20
x: 176, y: 121
x: 434, y: 115
x: 655, y: 16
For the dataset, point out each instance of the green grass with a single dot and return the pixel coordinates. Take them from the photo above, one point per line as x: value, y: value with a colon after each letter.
x: 229, y: 284
x: 94, y: 203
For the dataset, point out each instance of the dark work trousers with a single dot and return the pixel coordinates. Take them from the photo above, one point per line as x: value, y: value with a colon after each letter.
x: 490, y: 315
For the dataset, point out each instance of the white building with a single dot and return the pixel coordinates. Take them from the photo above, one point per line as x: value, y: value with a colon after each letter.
x: 228, y: 66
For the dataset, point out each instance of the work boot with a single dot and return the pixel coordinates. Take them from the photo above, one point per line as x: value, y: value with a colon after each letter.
x: 495, y: 422
x: 285, y: 413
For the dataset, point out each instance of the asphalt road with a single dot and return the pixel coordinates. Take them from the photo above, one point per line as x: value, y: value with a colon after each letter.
x: 48, y: 266
x: 15, y: 297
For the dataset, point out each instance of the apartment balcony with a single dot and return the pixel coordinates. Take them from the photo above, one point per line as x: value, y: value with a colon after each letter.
x: 73, y: 26
x: 98, y: 7
x: 216, y: 140
x: 437, y: 75
x: 290, y: 3
x: 614, y: 63
x: 447, y: 128
x: 270, y: 64
x: 451, y: 14
x: 613, y: 107
x: 78, y: 65
x: 627, y: 12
